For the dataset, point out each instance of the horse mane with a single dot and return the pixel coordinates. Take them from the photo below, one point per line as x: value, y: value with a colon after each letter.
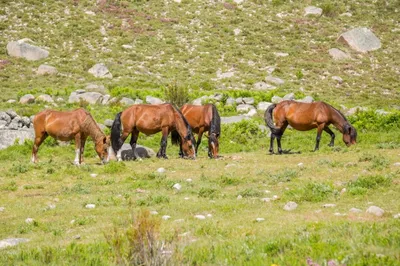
x: 90, y: 125
x: 340, y: 113
x: 189, y: 129
x: 215, y: 126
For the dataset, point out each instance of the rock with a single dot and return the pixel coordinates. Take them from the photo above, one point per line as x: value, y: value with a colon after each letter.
x: 177, y: 186
x: 266, y: 199
x: 239, y: 100
x: 166, y: 217
x: 27, y: 98
x: 225, y: 74
x: 93, y: 175
x: 25, y: 121
x: 5, y: 117
x: 312, y: 11
x: 361, y: 40
x: 289, y: 96
x: 25, y: 50
x: 233, y: 119
x: 396, y: 216
x: 396, y: 164
x: 329, y: 205
x: 2, y: 209
x: 239, y: 197
x: 8, y: 137
x: 375, y: 211
x: 97, y: 88
x: 300, y: 164
x: 263, y: 86
x: 274, y: 80
x: 9, y: 242
x: 13, y: 126
x: 290, y: 206
x: 262, y: 106
x: 270, y: 69
x: 113, y: 100
x: 90, y: 206
x: 46, y: 70
x: 237, y: 31
x: 244, y: 108
x: 45, y: 98
x: 260, y: 219
x: 106, y: 98
x: 200, y: 217
x: 251, y: 113
x: 29, y: 220
x: 153, y: 100
x: 281, y: 54
x: 338, y: 79
x: 80, y: 91
x: 218, y: 97
x: 307, y: 99
x: 126, y: 101
x: 108, y: 123
x: 11, y: 101
x: 248, y: 100
x: 138, y: 101
x: 142, y: 152
x: 338, y: 55
x: 161, y: 170
x: 89, y: 97
x: 77, y: 237
x: 230, y: 101
x: 276, y: 99
x: 354, y: 110
x: 100, y: 71
x: 153, y: 212
x: 355, y: 210
x: 3, y: 124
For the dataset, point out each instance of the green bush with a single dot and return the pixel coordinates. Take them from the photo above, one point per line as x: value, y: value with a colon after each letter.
x: 372, y: 121
x: 361, y: 185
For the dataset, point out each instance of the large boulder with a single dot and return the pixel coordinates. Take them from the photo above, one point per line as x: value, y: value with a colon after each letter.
x: 8, y: 137
x: 22, y: 49
x: 337, y: 54
x: 153, y: 100
x: 100, y: 71
x: 361, y: 39
x: 46, y: 70
x: 27, y: 98
x: 45, y: 98
x: 89, y: 97
x: 5, y: 117
x: 142, y: 152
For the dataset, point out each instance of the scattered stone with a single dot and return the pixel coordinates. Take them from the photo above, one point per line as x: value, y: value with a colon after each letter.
x: 209, y: 215
x: 262, y: 106
x: 355, y: 210
x: 237, y: 31
x: 200, y: 217
x: 239, y: 100
x: 90, y: 13
x: 89, y: 97
x: 27, y: 98
x: 354, y: 110
x: 161, y: 170
x: 329, y: 205
x: 397, y: 164
x: 100, y: 71
x: 166, y: 217
x: 72, y: 222
x: 90, y: 206
x: 346, y: 14
x: 127, y: 46
x: 126, y: 101
x: 11, y: 101
x: 375, y: 211
x: 5, y: 117
x: 290, y: 206
x: 244, y: 108
x: 179, y: 220
x: 251, y: 113
x: 153, y: 100
x: 307, y: 99
x: 2, y: 209
x: 153, y: 212
x: 106, y: 99
x: 339, y: 214
x: 22, y: 49
x: 46, y: 70
x: 108, y: 123
x: 189, y: 180
x: 312, y: 11
x: 266, y: 199
x: 141, y: 152
x: 263, y: 86
x: 77, y: 237
x: 45, y: 98
x: 275, y: 197
x: 343, y: 190
x: 139, y: 190
x: 233, y: 119
x: 248, y: 100
x: 281, y: 54
x: 274, y: 80
x: 289, y: 96
x: 276, y: 99
x: 9, y: 242
x: 177, y: 186
x: 338, y: 79
x: 300, y: 164
x: 93, y: 175
x: 186, y: 198
x: 225, y: 74
x: 260, y: 219
x: 361, y: 40
x: 230, y: 101
x: 239, y: 197
x: 396, y: 216
x: 337, y: 54
x: 29, y: 220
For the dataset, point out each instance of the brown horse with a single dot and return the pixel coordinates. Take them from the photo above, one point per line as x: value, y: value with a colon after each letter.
x: 151, y: 119
x: 306, y: 116
x: 78, y: 124
x: 202, y: 119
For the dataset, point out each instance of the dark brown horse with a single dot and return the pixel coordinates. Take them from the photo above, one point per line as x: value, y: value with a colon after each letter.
x: 202, y: 119
x: 78, y: 124
x: 151, y: 119
x: 306, y: 116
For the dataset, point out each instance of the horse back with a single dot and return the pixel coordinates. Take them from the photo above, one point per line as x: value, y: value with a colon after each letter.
x: 198, y: 115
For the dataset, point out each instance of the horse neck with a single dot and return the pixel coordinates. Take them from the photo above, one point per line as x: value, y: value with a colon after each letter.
x: 90, y: 127
x: 180, y: 125
x: 338, y: 120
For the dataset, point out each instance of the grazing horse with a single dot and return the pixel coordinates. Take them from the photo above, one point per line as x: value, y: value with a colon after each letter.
x: 151, y: 119
x: 78, y: 124
x: 306, y: 116
x: 202, y: 119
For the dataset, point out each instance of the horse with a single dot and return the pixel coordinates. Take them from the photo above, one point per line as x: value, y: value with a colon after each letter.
x: 77, y: 124
x: 151, y: 119
x: 306, y: 116
x: 202, y: 119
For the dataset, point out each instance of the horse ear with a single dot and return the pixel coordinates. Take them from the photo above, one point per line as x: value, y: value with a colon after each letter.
x: 346, y: 129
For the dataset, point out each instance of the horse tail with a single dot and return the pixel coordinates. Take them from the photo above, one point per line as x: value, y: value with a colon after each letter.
x: 175, y: 138
x: 116, y: 133
x: 269, y: 121
x: 215, y: 126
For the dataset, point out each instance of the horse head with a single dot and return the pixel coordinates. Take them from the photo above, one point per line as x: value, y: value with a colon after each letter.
x: 102, y: 148
x: 349, y: 135
x: 213, y: 145
x: 188, y: 146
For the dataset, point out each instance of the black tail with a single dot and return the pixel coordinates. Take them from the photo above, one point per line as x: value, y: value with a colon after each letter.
x: 116, y: 133
x: 270, y: 123
x: 215, y: 126
x: 175, y: 138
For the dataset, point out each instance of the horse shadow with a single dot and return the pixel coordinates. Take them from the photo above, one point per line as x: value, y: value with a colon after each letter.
x: 286, y: 152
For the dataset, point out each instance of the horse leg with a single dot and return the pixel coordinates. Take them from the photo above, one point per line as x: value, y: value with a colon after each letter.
x: 319, y: 132
x: 271, y: 143
x: 163, y: 145
x: 122, y: 139
x: 83, y: 141
x: 38, y: 141
x: 329, y: 131
x: 278, y: 137
x: 134, y: 137
x: 77, y: 160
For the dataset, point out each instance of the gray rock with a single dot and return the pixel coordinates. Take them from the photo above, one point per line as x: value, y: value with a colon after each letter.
x: 337, y: 54
x: 355, y: 109
x: 197, y: 101
x: 382, y: 112
x: 9, y: 242
x: 225, y: 75
x: 355, y: 210
x: 101, y: 126
x: 262, y: 106
x: 218, y: 97
x: 25, y: 50
x: 233, y: 119
x: 274, y: 80
x: 290, y: 206
x: 252, y: 112
x: 100, y: 71
x: 270, y: 69
x: 138, y: 101
x: 329, y: 205
x: 248, y: 100
x: 126, y: 101
x: 80, y: 91
x: 263, y: 128
x: 11, y: 101
x: 312, y: 11
x: 106, y: 98
x: 27, y: 98
x: 263, y: 86
x: 12, y: 113
x: 279, y: 54
x: 239, y: 100
x: 44, y: 98
x: 113, y: 100
x: 153, y: 100
x: 8, y: 137
x: 361, y: 40
x: 5, y: 117
x: 25, y: 121
x: 230, y: 101
x: 94, y: 87
x: 307, y: 99
x: 276, y: 99
x: 46, y: 70
x: 289, y: 96
x: 3, y: 124
x: 89, y: 97
x: 396, y: 164
x: 338, y: 79
x: 375, y: 211
x: 108, y: 123
x: 244, y: 107
x: 142, y: 152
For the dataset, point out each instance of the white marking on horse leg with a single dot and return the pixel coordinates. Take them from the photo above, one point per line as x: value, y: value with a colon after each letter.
x: 110, y: 152
x: 77, y: 153
x: 119, y: 155
x: 33, y: 158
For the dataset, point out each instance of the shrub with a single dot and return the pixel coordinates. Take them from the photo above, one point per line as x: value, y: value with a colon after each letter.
x: 361, y: 185
x: 175, y: 94
x: 206, y: 192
